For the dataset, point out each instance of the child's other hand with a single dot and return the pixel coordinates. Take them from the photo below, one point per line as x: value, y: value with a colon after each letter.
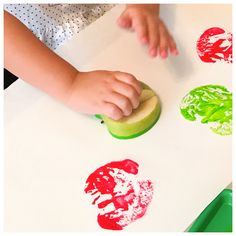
x: 112, y: 93
x: 150, y: 29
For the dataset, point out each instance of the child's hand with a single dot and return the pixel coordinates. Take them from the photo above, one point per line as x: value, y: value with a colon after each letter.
x: 144, y: 19
x: 114, y: 94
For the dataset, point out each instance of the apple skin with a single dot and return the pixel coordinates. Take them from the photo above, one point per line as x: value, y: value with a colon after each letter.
x: 125, y: 130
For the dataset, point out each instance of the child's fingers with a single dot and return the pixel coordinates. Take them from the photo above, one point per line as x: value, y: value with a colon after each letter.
x: 129, y: 79
x: 127, y: 91
x: 139, y: 24
x: 122, y: 102
x: 111, y: 111
x: 153, y: 37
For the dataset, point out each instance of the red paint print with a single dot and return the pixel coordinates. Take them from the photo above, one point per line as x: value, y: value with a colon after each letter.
x: 120, y: 197
x: 215, y: 45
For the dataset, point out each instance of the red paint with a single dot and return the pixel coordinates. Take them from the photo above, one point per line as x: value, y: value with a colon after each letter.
x: 215, y: 45
x: 123, y: 198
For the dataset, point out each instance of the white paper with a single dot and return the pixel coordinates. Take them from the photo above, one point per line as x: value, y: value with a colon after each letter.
x: 50, y: 150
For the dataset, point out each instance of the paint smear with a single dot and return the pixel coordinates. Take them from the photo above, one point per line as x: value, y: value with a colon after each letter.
x: 120, y: 197
x: 213, y: 103
x: 215, y: 45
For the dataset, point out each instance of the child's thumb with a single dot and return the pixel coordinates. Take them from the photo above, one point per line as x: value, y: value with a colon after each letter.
x: 124, y: 20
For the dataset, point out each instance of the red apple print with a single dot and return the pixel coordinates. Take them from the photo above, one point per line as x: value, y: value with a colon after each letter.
x: 215, y: 45
x: 120, y: 197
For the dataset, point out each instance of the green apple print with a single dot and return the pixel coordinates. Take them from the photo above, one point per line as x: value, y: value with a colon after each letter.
x: 213, y: 104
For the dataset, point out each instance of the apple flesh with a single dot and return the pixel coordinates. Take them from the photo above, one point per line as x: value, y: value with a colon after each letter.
x: 141, y: 119
x: 145, y: 95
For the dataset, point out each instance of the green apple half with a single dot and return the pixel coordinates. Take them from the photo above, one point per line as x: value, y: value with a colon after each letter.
x: 141, y: 120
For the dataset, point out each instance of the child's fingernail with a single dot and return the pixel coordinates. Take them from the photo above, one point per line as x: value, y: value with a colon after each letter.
x: 126, y: 24
x: 153, y: 52
x: 163, y: 54
x: 175, y: 52
x: 123, y: 22
x: 144, y: 40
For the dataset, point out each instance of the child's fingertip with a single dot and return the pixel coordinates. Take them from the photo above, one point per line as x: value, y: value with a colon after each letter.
x: 144, y: 40
x: 164, y: 54
x: 153, y: 52
x: 174, y: 52
x: 123, y: 22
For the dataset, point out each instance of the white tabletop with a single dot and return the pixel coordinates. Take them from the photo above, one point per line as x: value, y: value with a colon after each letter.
x: 50, y: 150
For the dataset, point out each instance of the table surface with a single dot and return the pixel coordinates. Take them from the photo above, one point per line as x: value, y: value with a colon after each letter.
x: 50, y: 150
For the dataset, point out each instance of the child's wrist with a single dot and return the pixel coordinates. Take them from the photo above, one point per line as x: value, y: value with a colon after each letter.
x: 68, y: 82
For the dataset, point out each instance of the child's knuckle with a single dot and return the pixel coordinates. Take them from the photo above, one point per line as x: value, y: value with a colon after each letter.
x: 130, y: 78
x: 132, y: 93
x: 113, y: 111
x: 126, y: 104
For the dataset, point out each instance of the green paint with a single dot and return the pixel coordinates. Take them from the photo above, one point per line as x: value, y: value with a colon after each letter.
x: 213, y: 103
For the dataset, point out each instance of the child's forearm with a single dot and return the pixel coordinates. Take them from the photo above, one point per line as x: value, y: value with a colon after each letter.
x: 157, y: 6
x: 28, y: 58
